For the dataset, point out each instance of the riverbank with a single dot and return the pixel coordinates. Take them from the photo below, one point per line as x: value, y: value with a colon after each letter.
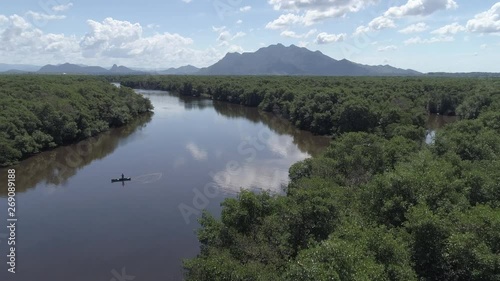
x: 40, y: 112
x: 379, y: 203
x: 328, y: 105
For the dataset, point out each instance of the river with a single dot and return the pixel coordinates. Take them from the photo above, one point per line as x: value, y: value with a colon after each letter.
x: 74, y: 224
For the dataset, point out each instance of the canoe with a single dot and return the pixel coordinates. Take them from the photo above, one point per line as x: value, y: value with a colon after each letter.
x: 121, y: 179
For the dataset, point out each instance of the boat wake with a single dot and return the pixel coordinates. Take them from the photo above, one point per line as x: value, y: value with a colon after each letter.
x: 148, y: 178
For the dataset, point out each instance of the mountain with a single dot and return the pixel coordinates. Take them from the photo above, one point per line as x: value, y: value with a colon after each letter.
x: 272, y: 60
x: 387, y: 70
x: 15, y: 71
x: 123, y: 70
x: 69, y: 68
x: 183, y: 70
x: 72, y: 69
x: 20, y: 67
x: 293, y: 60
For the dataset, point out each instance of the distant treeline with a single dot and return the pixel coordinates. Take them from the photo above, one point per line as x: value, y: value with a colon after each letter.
x: 42, y: 112
x: 335, y: 105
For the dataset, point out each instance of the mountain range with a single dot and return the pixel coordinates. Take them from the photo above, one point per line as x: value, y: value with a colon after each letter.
x: 68, y: 68
x: 272, y: 60
x: 18, y: 67
x: 183, y: 70
x: 293, y: 60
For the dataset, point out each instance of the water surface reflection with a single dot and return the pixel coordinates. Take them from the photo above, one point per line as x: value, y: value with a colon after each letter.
x: 76, y: 225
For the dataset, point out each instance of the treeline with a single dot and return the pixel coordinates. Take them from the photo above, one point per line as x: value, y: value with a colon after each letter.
x: 374, y: 206
x: 336, y: 105
x: 42, y: 112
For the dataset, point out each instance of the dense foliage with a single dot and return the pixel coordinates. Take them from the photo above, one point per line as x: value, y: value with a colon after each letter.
x: 380, y: 203
x: 336, y: 105
x: 42, y: 112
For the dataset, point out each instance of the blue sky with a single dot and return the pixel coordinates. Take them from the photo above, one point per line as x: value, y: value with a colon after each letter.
x: 425, y: 35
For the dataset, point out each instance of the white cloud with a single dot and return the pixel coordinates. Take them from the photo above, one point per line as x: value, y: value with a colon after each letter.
x: 325, y: 38
x: 239, y: 22
x: 292, y: 34
x: 484, y: 46
x: 411, y: 8
x: 415, y: 28
x: 238, y: 35
x: 314, y: 11
x: 387, y: 48
x: 376, y: 24
x: 3, y: 19
x: 284, y: 21
x: 486, y: 22
x: 381, y: 22
x: 453, y: 28
x: 197, y: 153
x: 122, y: 39
x: 21, y: 41
x: 62, y: 8
x: 418, y: 40
x: 361, y: 30
x: 341, y: 6
x: 44, y: 17
x: 186, y: 1
x: 235, y: 49
x: 218, y: 29
x: 420, y: 8
x: 112, y: 37
x: 101, y: 45
x: 245, y: 9
x: 225, y: 36
x: 152, y: 26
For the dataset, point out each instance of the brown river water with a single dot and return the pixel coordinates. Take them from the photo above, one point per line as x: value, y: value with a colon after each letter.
x: 74, y: 224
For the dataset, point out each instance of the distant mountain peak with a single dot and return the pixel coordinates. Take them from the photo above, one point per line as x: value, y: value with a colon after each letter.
x: 79, y: 69
x: 293, y: 60
x: 183, y: 70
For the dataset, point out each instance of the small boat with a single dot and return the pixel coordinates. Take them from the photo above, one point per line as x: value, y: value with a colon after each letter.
x: 121, y: 179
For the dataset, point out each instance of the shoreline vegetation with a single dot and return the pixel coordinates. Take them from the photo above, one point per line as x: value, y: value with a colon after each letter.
x: 41, y: 112
x: 379, y: 203
x: 335, y: 105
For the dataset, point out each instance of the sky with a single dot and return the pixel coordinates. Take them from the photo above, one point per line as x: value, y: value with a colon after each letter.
x: 425, y: 35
